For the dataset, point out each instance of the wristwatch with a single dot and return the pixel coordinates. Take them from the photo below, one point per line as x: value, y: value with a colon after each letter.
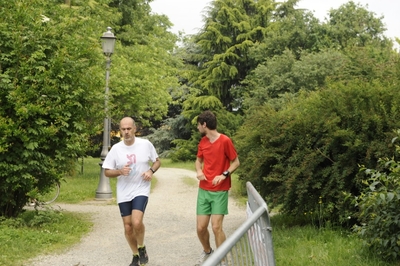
x: 226, y: 173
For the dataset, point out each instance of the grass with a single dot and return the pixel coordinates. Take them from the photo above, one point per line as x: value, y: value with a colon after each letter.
x: 82, y: 185
x: 41, y: 232
x: 52, y: 231
x: 168, y: 163
x: 308, y: 245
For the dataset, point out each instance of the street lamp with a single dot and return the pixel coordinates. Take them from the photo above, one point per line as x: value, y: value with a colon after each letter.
x: 103, y: 191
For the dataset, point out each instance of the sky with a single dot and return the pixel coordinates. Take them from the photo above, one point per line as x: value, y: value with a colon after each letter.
x: 186, y: 15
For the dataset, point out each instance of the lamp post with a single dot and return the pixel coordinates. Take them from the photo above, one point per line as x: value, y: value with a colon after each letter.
x: 103, y: 191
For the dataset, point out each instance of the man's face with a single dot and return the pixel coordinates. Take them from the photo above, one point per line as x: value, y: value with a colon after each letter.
x: 202, y: 129
x: 128, y: 129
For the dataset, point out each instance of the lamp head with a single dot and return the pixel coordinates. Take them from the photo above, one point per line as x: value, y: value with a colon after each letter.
x: 108, y: 42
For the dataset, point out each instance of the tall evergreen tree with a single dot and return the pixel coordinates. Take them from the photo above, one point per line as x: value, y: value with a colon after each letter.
x: 231, y: 28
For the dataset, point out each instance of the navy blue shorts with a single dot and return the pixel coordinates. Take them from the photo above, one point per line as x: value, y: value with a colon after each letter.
x: 138, y: 203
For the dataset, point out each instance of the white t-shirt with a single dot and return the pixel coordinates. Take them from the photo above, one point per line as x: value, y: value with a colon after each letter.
x: 138, y: 157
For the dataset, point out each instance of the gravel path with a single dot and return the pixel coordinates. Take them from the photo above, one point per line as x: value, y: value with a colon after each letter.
x: 170, y: 222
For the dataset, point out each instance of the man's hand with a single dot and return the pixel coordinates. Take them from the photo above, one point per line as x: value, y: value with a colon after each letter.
x: 126, y: 170
x: 201, y: 176
x: 218, y: 179
x: 147, y: 175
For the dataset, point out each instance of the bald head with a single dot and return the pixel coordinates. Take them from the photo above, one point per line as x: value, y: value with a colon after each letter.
x: 128, y: 129
x: 127, y: 120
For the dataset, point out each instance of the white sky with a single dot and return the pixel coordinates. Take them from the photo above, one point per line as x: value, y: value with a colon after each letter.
x: 186, y: 15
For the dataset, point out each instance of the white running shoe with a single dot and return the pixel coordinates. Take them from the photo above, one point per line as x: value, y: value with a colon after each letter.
x: 203, y: 257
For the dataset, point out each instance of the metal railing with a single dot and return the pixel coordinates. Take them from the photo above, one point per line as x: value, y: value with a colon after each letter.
x: 251, y: 243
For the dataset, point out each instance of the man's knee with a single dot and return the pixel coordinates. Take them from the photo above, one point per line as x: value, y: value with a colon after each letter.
x: 128, y: 228
x: 217, y: 228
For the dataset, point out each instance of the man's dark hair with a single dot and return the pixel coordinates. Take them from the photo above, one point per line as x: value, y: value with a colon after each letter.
x: 209, y: 118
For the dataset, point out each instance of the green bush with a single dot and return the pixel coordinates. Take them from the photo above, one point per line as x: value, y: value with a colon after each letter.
x: 48, y: 94
x: 379, y: 205
x: 310, y: 149
x: 184, y: 151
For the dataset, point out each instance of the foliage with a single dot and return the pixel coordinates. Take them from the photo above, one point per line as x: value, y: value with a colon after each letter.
x: 231, y: 28
x: 375, y: 61
x: 291, y: 29
x: 307, y: 145
x: 353, y: 25
x: 321, y: 53
x: 285, y: 74
x: 309, y: 150
x: 163, y: 137
x: 185, y: 150
x: 51, y: 68
x: 287, y: 48
x: 49, y: 96
x: 250, y: 52
x: 379, y: 205
x: 144, y: 68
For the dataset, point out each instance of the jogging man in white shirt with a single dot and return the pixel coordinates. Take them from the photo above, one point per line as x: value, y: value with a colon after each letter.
x: 129, y: 161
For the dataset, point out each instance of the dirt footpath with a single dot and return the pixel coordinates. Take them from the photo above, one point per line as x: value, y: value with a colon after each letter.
x: 170, y: 221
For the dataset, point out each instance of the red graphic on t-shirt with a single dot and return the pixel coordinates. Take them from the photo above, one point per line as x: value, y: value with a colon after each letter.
x: 131, y: 159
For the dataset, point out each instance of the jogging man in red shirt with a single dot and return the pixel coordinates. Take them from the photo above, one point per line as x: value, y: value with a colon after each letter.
x: 216, y: 160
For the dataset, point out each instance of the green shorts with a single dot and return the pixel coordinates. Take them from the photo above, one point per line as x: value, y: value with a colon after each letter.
x: 212, y: 202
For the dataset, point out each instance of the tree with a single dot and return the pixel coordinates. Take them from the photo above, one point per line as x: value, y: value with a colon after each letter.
x: 290, y: 29
x: 284, y: 74
x: 49, y: 84
x: 146, y: 67
x: 352, y: 24
x: 231, y: 28
x: 51, y: 68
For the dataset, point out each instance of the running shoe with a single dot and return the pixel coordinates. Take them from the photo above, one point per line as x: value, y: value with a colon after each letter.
x: 135, y: 261
x: 203, y: 256
x: 143, y: 256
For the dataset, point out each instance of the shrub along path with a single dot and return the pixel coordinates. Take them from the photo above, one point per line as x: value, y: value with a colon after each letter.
x: 170, y: 222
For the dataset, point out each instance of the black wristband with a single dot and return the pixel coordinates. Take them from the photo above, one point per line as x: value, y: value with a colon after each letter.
x: 152, y: 170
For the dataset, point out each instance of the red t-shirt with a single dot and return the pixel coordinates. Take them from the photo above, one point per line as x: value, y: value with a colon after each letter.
x: 216, y: 159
